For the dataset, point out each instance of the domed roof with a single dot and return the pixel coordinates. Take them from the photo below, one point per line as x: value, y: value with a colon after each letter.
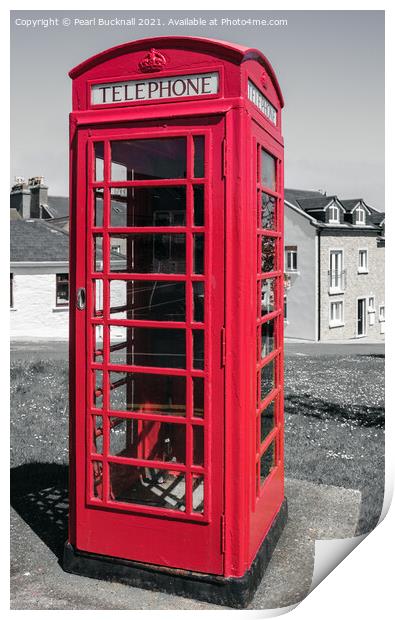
x: 230, y: 51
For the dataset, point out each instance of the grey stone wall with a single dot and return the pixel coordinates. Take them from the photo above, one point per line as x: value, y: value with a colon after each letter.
x: 357, y: 285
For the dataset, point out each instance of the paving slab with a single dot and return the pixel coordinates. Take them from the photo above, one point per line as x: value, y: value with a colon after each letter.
x: 315, y: 512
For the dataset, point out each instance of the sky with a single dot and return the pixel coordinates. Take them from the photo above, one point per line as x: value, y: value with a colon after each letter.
x: 330, y: 66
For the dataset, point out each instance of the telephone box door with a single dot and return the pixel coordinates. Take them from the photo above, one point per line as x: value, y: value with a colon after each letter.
x: 149, y: 226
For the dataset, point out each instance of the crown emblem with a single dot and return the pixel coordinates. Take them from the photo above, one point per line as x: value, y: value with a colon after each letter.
x: 153, y: 61
x: 264, y: 79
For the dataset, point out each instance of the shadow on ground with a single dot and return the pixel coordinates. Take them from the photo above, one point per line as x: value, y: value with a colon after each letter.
x: 309, y: 405
x: 39, y: 493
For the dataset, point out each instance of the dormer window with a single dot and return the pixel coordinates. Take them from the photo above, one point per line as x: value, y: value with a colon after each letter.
x: 360, y: 215
x: 333, y: 214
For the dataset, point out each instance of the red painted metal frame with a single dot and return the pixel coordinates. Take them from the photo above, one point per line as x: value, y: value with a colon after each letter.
x: 247, y: 511
x: 265, y: 503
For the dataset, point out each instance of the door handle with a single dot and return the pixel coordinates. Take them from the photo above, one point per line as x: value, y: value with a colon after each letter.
x: 81, y: 298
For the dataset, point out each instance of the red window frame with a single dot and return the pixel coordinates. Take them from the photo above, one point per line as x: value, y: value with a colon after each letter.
x: 275, y: 315
x: 107, y: 184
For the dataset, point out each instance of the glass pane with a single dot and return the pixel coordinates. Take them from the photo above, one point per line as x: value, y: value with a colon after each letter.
x: 198, y: 301
x: 268, y: 256
x: 198, y: 397
x: 98, y: 253
x: 147, y: 486
x: 198, y: 253
x: 118, y: 299
x: 268, y: 170
x: 154, y: 158
x: 146, y: 393
x: 198, y: 445
x: 268, y: 211
x: 198, y: 348
x: 98, y: 297
x: 198, y: 168
x: 99, y: 161
x: 267, y: 462
x: 98, y: 207
x: 147, y: 439
x: 98, y: 389
x: 198, y: 494
x: 148, y: 206
x: 97, y: 342
x: 267, y: 339
x: 97, y: 479
x: 97, y: 434
x: 267, y: 379
x: 155, y: 347
x: 198, y: 205
x: 149, y: 253
x: 267, y: 421
x: 267, y: 295
x: 147, y: 300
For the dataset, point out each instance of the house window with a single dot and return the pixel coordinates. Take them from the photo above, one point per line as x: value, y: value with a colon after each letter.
x: 371, y: 311
x: 381, y: 313
x: 62, y: 289
x: 336, y: 271
x: 291, y: 258
x: 333, y: 214
x: 11, y: 290
x: 362, y: 261
x: 360, y: 215
x: 336, y: 314
x: 116, y: 249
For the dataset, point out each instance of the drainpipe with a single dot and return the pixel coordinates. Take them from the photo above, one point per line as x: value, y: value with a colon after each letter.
x: 319, y: 284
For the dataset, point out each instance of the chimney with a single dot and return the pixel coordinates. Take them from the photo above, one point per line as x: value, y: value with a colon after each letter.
x: 20, y: 197
x: 38, y: 196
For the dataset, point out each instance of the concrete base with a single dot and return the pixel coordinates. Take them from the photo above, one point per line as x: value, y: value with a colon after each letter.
x: 230, y: 591
x: 315, y: 512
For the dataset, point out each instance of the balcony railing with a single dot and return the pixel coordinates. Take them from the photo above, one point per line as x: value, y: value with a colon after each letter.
x: 336, y: 281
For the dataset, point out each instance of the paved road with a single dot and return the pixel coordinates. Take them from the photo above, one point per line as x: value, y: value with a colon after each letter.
x: 335, y: 348
x: 39, y: 349
x: 52, y: 349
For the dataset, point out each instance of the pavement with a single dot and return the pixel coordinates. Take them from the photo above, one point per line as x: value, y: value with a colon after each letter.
x: 39, y: 349
x: 340, y: 347
x: 316, y: 512
x: 58, y: 349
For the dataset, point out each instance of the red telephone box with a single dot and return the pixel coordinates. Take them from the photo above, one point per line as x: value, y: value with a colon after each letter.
x: 176, y: 317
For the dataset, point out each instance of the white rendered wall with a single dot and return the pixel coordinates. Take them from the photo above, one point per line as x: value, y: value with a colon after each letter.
x: 35, y: 314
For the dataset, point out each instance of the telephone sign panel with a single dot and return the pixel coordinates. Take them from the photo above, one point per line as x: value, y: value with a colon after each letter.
x: 160, y: 88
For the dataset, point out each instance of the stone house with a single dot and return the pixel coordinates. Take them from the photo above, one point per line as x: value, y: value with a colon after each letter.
x: 334, y: 266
